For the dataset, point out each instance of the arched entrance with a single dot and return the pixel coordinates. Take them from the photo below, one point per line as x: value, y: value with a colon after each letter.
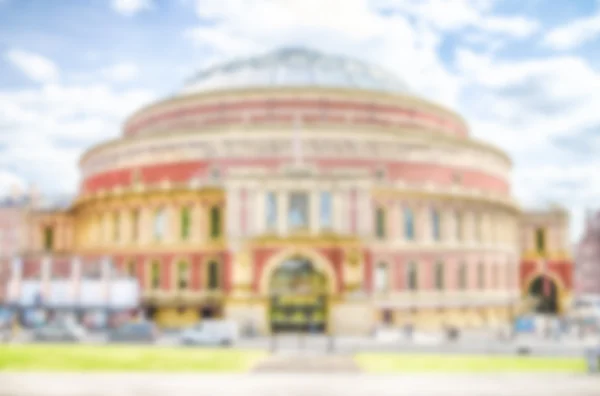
x: 298, y: 293
x: 544, y: 291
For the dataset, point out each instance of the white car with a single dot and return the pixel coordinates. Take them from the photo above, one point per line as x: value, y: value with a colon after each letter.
x: 211, y: 333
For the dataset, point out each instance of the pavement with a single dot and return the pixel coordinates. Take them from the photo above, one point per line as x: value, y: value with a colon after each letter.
x: 297, y: 385
x: 469, y: 343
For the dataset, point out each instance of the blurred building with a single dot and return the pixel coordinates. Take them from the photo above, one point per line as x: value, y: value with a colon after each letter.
x: 587, y: 268
x: 547, y: 265
x: 14, y: 230
x: 298, y: 191
x: 93, y: 291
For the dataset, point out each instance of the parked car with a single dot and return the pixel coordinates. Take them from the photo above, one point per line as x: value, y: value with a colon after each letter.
x: 59, y: 332
x: 142, y: 332
x: 211, y: 333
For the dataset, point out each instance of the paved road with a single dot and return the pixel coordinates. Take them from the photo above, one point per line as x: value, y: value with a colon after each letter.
x: 471, y: 344
x: 296, y: 385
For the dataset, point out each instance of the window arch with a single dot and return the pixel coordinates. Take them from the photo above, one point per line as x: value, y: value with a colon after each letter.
x: 160, y: 224
x: 412, y: 276
x: 439, y: 276
x: 155, y: 275
x: 183, y: 275
x: 458, y: 223
x: 462, y: 276
x: 213, y: 275
x: 380, y: 223
x: 382, y: 279
x: 186, y: 223
x: 409, y: 224
x: 48, y: 238
x: 435, y: 225
x: 215, y: 222
x: 481, y: 275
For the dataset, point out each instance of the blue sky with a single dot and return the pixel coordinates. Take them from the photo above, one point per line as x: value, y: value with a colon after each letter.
x: 525, y: 74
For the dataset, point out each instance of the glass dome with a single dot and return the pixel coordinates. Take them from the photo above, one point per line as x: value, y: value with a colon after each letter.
x: 295, y: 67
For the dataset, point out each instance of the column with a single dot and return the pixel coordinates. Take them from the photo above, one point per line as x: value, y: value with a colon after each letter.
x: 16, y: 278
x: 233, y: 213
x: 197, y: 223
x: 126, y: 226
x: 365, y: 213
x: 46, y: 270
x: 422, y: 218
x: 282, y: 210
x: 257, y: 216
x: 146, y: 225
x: 75, y: 279
x: 340, y: 210
x: 400, y: 221
x: 106, y: 279
x: 314, y: 209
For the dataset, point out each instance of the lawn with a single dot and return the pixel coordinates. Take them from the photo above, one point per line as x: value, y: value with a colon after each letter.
x: 390, y: 363
x: 124, y: 358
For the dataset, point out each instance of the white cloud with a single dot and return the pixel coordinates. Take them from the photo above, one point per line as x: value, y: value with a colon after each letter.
x: 532, y: 109
x: 574, y: 33
x: 36, y: 67
x: 8, y: 181
x: 131, y: 7
x: 57, y: 122
x: 455, y: 15
x: 121, y: 72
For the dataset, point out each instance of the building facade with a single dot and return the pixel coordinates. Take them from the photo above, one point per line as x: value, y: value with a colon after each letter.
x: 299, y: 191
x: 14, y: 236
x: 547, y: 265
x: 587, y: 262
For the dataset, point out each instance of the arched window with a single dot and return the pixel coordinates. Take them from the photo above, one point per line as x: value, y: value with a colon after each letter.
x: 215, y: 222
x: 481, y: 276
x: 435, y: 225
x: 131, y: 269
x: 155, y: 275
x: 540, y: 240
x: 439, y: 276
x: 116, y: 227
x: 412, y: 276
x: 380, y: 223
x: 186, y: 223
x: 183, y: 275
x: 213, y: 275
x: 325, y: 210
x: 48, y: 238
x: 409, y: 224
x: 458, y: 223
x: 135, y: 225
x: 462, y: 276
x: 381, y: 278
x: 271, y: 210
x: 298, y: 212
x: 160, y: 224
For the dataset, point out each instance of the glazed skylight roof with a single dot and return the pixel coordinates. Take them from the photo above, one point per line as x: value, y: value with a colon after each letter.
x: 295, y: 67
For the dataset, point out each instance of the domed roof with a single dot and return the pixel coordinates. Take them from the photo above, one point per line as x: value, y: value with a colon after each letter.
x: 295, y: 67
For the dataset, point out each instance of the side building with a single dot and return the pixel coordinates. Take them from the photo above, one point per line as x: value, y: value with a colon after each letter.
x: 587, y: 264
x: 546, y: 270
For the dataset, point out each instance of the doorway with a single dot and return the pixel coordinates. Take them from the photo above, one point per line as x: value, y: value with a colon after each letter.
x: 298, y: 302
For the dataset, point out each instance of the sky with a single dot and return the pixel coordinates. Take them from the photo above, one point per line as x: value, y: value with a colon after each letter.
x: 525, y: 74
